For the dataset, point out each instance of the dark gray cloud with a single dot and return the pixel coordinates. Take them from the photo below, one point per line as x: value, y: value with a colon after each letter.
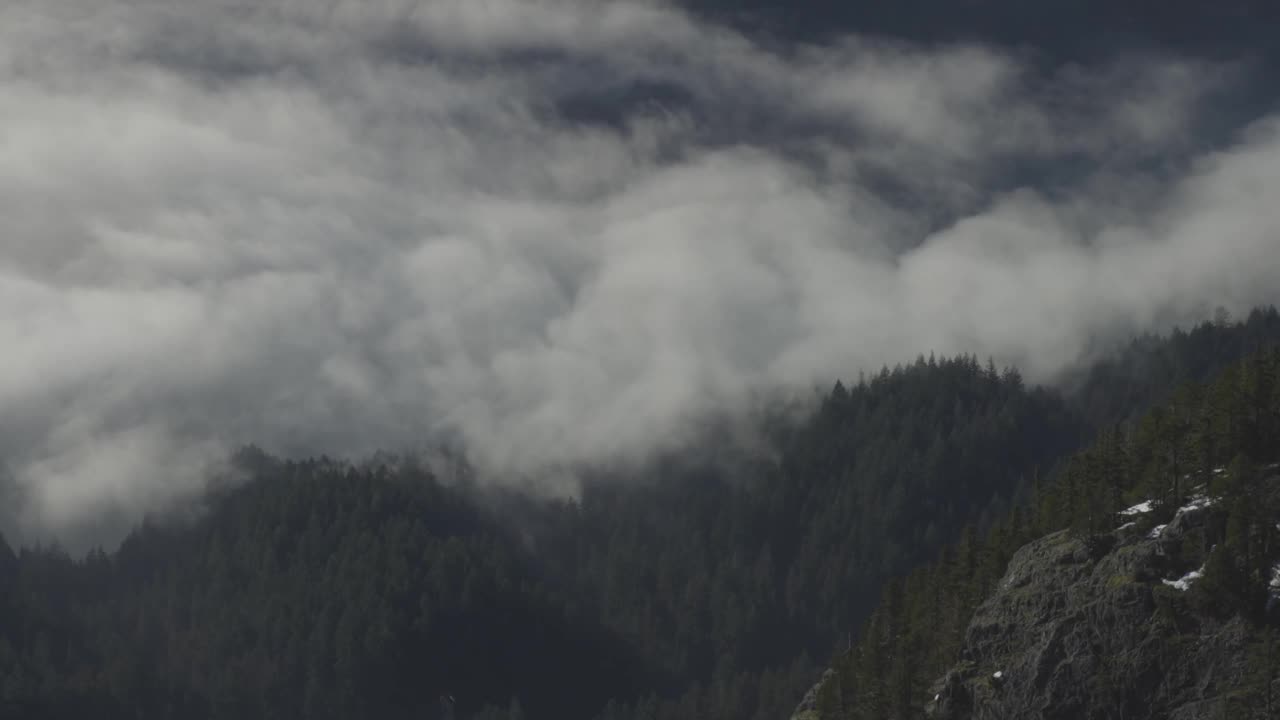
x: 554, y: 229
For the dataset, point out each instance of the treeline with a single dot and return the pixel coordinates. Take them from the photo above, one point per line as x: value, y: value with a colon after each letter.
x: 710, y: 584
x: 317, y: 591
x: 736, y: 582
x: 705, y: 589
x: 889, y: 471
x: 1210, y: 444
x: 1122, y: 386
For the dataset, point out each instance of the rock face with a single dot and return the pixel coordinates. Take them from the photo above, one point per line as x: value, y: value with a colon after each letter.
x: 1117, y: 628
x: 1072, y: 634
x: 808, y: 707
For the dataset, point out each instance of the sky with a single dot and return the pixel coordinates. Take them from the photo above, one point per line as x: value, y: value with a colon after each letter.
x: 557, y: 232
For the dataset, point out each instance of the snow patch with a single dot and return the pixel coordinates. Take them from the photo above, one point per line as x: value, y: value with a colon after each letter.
x: 1184, y: 583
x: 1139, y: 509
x: 1198, y: 502
x: 998, y: 674
x: 1126, y: 526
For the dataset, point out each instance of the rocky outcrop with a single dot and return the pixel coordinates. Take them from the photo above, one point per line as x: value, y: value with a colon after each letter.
x: 1094, y: 632
x: 808, y: 707
x: 1120, y: 627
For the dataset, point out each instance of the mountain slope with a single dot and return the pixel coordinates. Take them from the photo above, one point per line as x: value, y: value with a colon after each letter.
x: 1162, y: 609
x: 317, y: 591
x: 785, y: 558
x: 1132, y: 634
x: 706, y: 585
x: 702, y: 587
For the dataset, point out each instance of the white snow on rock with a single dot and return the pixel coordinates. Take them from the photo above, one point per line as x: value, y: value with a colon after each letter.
x: 1184, y: 583
x: 1126, y: 526
x: 998, y: 674
x: 1198, y: 502
x: 1139, y: 509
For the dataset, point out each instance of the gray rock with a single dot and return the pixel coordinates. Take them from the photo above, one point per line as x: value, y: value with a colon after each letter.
x: 1080, y: 635
x: 808, y: 707
x: 1077, y: 638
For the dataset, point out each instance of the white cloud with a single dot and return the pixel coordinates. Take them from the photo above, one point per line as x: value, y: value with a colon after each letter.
x: 338, y: 227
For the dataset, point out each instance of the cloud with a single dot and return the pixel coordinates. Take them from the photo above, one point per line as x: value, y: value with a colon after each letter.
x: 556, y: 230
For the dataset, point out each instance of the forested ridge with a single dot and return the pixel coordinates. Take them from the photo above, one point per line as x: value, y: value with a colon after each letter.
x: 698, y: 588
x: 1211, y: 449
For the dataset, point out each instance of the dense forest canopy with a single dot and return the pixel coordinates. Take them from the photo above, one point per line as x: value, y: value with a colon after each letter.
x: 703, y: 589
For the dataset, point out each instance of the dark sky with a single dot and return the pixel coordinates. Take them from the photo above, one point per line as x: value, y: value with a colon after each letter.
x: 1050, y: 34
x: 1062, y: 30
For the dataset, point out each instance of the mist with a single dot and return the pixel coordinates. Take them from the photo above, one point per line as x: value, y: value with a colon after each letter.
x: 556, y: 231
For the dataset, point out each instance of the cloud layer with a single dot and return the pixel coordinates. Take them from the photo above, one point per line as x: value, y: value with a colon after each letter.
x: 555, y: 230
